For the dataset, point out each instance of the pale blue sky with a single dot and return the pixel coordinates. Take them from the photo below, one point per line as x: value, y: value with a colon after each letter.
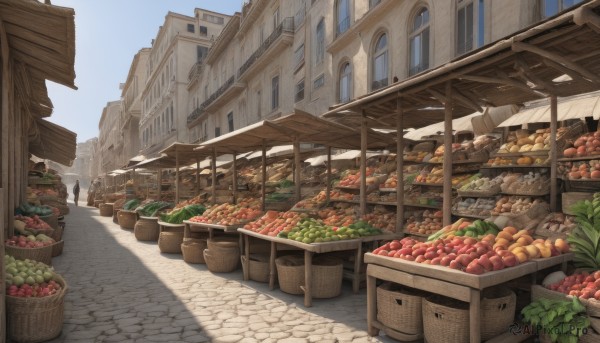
x: 108, y: 34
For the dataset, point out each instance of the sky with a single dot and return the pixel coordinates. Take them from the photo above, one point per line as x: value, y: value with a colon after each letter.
x: 108, y: 34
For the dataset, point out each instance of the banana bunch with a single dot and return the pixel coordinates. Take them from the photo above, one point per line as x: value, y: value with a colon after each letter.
x: 585, y: 238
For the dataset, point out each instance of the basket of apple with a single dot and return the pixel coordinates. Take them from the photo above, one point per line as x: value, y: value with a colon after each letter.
x: 34, y: 300
x: 33, y: 247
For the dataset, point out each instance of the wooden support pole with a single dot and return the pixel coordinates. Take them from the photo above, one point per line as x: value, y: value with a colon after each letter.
x: 159, y: 184
x: 297, y: 170
x: 214, y: 175
x: 197, y: 177
x: 363, y: 164
x: 234, y: 178
x: 328, y: 188
x: 263, y: 182
x: 447, y: 207
x: 553, y: 153
x: 176, y: 176
x: 399, y: 167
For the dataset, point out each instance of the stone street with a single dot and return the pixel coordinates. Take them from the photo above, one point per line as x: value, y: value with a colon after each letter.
x: 122, y: 290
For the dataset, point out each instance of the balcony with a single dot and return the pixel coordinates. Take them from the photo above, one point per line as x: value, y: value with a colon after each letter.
x: 282, y: 37
x: 226, y: 92
x: 195, y: 72
x: 196, y: 117
x: 375, y: 85
x: 299, y: 17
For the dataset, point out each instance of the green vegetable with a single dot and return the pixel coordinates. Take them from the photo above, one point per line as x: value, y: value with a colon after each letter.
x: 563, y: 321
x: 286, y: 184
x: 185, y: 213
x: 151, y: 209
x: 131, y: 204
x: 585, y: 238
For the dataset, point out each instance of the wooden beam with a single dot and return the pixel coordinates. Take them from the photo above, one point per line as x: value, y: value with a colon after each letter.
x: 399, y: 167
x: 447, y: 192
x: 214, y: 175
x: 553, y: 153
x: 458, y: 97
x: 328, y: 188
x: 263, y: 181
x: 502, y: 81
x: 197, y: 177
x: 159, y: 184
x: 234, y: 178
x: 525, y: 71
x: 176, y: 176
x: 297, y: 170
x: 575, y: 76
x: 520, y: 46
x: 363, y: 165
x: 585, y: 16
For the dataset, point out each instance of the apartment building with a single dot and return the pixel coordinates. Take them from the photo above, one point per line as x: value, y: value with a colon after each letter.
x: 82, y: 165
x: 110, y: 142
x: 181, y: 42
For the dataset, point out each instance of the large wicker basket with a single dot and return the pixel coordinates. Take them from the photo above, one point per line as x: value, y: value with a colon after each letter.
x: 146, y: 229
x: 170, y: 242
x: 445, y: 320
x: 220, y: 259
x: 35, y: 319
x: 58, y: 233
x: 106, y: 209
x: 43, y: 254
x: 51, y: 220
x: 497, y: 311
x: 258, y: 267
x: 57, y: 248
x: 571, y: 198
x: 127, y: 219
x: 290, y: 273
x: 222, y: 242
x: 327, y: 277
x: 193, y: 250
x: 399, y: 308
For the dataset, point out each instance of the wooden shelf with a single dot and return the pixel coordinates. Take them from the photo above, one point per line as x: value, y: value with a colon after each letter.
x: 525, y: 195
x: 416, y: 234
x: 514, y: 166
x: 474, y: 216
x: 519, y: 154
x: 423, y: 206
x: 428, y: 184
x: 583, y: 180
x: 575, y: 159
x: 457, y: 162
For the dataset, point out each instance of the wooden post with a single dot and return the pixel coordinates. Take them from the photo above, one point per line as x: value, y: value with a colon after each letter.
x: 197, y: 177
x: 328, y: 174
x: 363, y: 165
x: 553, y: 152
x: 214, y: 175
x: 159, y: 184
x: 234, y: 178
x: 399, y: 167
x: 297, y: 170
x: 2, y: 276
x: 272, y: 266
x: 133, y: 177
x: 308, y: 270
x: 263, y: 182
x: 447, y: 207
x: 176, y: 176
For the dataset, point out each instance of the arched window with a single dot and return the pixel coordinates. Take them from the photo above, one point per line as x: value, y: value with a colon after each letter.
x: 419, y: 42
x: 320, y: 38
x: 380, y: 62
x: 345, y: 83
x: 342, y: 12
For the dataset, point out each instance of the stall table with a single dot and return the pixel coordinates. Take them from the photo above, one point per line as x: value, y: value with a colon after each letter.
x: 444, y: 281
x: 309, y: 251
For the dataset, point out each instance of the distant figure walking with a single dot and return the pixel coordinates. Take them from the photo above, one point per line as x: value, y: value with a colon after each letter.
x: 76, y: 191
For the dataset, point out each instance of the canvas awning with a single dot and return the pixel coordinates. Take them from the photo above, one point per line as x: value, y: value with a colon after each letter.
x: 135, y: 160
x: 352, y: 154
x: 458, y: 124
x: 52, y: 142
x: 577, y: 107
x: 185, y: 153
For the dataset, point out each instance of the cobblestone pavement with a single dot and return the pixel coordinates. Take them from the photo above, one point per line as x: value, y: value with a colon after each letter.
x: 122, y: 290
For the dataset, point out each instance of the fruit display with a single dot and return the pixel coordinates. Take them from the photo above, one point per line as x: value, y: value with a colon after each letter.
x: 340, y: 215
x: 417, y: 197
x: 525, y: 247
x: 351, y: 179
x: 313, y: 202
x: 583, y: 170
x: 514, y: 205
x: 381, y: 218
x: 557, y: 223
x: 28, y: 278
x: 417, y: 156
x: 524, y: 141
x: 586, y: 145
x: 391, y: 182
x: 337, y: 195
x: 31, y: 225
x: 310, y: 230
x: 585, y: 237
x: 430, y: 223
x: 181, y: 214
x: 530, y: 184
x: 467, y: 149
x: 581, y: 285
x: 31, y: 241
x: 28, y: 209
x: 198, y: 200
x: 433, y: 175
x: 274, y: 222
x: 499, y: 161
x: 480, y: 207
x: 477, y: 229
x: 229, y: 214
x: 483, y: 185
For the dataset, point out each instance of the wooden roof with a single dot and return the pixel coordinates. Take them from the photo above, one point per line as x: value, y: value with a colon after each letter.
x: 53, y: 142
x: 186, y: 153
x: 299, y: 125
x: 526, y: 66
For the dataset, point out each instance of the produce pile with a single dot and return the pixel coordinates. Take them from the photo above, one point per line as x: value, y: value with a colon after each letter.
x: 474, y: 207
x: 586, y: 145
x: 514, y: 205
x: 312, y: 203
x: 417, y: 156
x: 436, y: 176
x: 531, y: 183
x: 131, y: 205
x: 152, y: 208
x: 274, y: 222
x: 30, y: 242
x: 229, y: 214
x: 31, y: 225
x: 558, y: 223
x: 417, y: 196
x: 483, y: 184
x: 430, y: 222
x: 381, y: 218
x: 477, y: 229
x: 563, y: 321
x: 340, y: 195
x: 585, y: 238
x: 27, y: 278
x: 351, y: 178
x: 27, y: 209
x: 582, y: 170
x: 341, y: 215
x: 524, y: 141
x: 310, y: 230
x: 499, y: 161
x: 193, y: 201
x: 185, y: 213
x: 581, y: 285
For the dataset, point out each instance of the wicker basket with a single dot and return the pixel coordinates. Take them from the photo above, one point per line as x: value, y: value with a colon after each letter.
x: 589, y: 186
x: 193, y: 250
x: 571, y: 198
x: 258, y: 267
x: 327, y: 277
x: 445, y: 320
x: 290, y: 273
x: 170, y: 242
x: 222, y: 260
x: 127, y: 219
x: 57, y: 248
x: 51, y: 220
x: 64, y: 209
x: 35, y: 319
x: 106, y: 209
x: 399, y: 308
x: 116, y: 215
x: 223, y: 242
x: 43, y: 254
x: 497, y: 311
x: 58, y: 232
x: 97, y: 203
x: 146, y: 229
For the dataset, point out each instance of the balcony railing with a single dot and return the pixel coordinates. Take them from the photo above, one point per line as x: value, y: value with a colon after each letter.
x: 218, y: 93
x: 287, y: 25
x: 343, y: 26
x: 299, y: 17
x: 197, y: 113
x: 379, y: 84
x: 196, y: 70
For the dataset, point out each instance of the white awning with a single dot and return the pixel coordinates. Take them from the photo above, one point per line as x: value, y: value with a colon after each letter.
x: 458, y: 124
x: 577, y: 107
x: 352, y: 154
